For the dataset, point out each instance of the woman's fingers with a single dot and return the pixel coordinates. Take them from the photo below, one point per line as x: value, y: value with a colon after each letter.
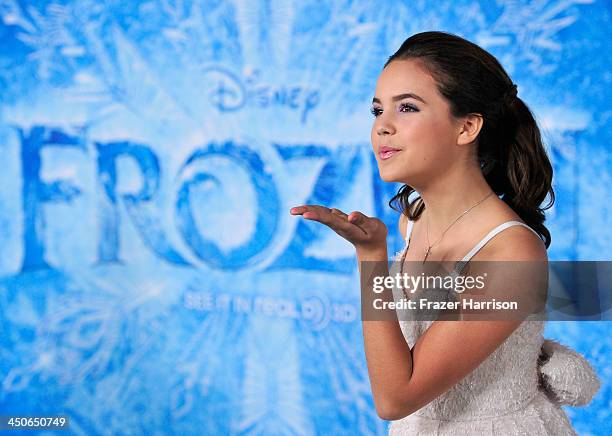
x: 338, y: 212
x: 362, y: 221
x: 333, y: 218
x: 357, y: 218
x: 355, y: 227
x: 313, y: 212
x: 345, y: 217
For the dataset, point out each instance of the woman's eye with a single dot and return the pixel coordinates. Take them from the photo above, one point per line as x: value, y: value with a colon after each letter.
x: 405, y: 107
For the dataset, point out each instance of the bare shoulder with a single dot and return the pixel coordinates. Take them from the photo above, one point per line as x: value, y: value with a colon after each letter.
x: 514, y: 243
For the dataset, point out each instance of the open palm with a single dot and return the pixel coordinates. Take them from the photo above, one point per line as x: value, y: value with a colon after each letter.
x: 360, y: 230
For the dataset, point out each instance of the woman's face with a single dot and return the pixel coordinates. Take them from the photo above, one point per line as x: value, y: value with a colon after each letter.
x: 414, y: 135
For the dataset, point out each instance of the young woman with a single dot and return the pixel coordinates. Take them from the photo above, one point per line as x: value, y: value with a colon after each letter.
x: 449, y: 126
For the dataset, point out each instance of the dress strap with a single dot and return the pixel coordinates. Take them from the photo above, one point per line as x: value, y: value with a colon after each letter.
x: 409, y: 227
x: 459, y: 266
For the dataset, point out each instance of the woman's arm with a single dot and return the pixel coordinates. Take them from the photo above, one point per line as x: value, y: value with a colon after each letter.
x: 405, y: 380
x: 388, y: 356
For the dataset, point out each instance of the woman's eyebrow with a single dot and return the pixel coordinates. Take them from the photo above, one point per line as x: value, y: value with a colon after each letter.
x: 401, y: 97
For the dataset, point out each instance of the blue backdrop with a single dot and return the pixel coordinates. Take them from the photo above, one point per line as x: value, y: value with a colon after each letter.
x: 151, y: 277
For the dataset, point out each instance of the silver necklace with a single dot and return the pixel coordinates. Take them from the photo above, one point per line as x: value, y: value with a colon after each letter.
x: 429, y: 247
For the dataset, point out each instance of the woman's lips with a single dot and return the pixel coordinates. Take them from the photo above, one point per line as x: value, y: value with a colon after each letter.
x: 386, y: 152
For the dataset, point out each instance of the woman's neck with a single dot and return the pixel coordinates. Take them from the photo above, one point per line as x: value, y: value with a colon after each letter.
x: 448, y: 197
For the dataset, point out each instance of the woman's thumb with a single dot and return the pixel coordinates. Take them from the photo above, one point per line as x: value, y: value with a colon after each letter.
x: 357, y: 218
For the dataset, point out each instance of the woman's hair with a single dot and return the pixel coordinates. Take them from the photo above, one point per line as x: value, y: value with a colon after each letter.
x: 510, y: 149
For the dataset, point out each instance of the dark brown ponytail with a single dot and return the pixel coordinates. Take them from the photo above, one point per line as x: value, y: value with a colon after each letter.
x: 510, y: 149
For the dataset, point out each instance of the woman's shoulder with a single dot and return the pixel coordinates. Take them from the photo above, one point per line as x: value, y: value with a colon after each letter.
x: 514, y: 242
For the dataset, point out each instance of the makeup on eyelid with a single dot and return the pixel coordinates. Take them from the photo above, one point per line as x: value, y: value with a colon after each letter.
x: 376, y: 111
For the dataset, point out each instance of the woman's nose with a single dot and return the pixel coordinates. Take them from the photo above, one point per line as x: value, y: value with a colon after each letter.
x: 384, y: 129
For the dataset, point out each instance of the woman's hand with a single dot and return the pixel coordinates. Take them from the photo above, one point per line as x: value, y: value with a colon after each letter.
x: 365, y: 233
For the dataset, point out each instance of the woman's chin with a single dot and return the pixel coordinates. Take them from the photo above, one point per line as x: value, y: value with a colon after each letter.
x: 390, y: 176
x: 401, y: 173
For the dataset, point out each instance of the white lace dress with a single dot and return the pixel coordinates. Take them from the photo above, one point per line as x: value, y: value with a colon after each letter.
x: 517, y: 390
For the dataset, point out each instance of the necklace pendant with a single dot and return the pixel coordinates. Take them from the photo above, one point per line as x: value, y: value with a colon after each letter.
x: 427, y: 253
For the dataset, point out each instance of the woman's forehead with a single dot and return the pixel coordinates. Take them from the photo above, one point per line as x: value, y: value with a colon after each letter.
x: 404, y: 76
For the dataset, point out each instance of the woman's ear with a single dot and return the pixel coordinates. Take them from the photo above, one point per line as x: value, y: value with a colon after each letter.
x: 469, y: 128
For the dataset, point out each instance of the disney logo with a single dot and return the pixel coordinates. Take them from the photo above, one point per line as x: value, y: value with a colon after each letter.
x: 229, y: 93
